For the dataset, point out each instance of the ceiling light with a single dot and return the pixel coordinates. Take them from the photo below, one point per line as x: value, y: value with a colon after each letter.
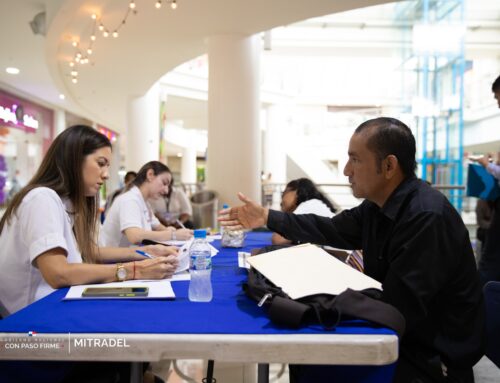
x: 89, y: 51
x: 71, y: 64
x: 105, y: 33
x: 92, y: 37
x: 62, y: 96
x: 132, y: 5
x: 174, y: 4
x: 158, y: 4
x: 12, y: 70
x: 94, y: 16
x: 75, y: 80
x: 115, y: 34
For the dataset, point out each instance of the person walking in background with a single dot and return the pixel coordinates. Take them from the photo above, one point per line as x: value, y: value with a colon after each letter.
x: 301, y: 196
x: 489, y: 264
x: 130, y: 220
x: 484, y: 215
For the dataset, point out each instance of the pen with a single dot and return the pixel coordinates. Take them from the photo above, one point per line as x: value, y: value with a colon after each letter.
x: 180, y: 223
x: 144, y: 254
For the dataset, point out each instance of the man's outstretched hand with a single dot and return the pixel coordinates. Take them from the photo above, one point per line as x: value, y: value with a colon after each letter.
x: 247, y: 216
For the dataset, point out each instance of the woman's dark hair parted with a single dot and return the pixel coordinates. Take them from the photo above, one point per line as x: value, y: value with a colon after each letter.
x: 61, y: 171
x: 307, y: 190
x: 140, y: 178
x: 390, y: 136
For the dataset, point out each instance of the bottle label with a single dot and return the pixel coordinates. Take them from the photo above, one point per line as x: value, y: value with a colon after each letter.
x: 201, y: 262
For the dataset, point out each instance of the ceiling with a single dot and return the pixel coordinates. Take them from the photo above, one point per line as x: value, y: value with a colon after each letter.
x: 151, y: 43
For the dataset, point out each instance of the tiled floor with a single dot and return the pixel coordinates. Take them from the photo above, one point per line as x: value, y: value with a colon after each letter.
x: 190, y: 371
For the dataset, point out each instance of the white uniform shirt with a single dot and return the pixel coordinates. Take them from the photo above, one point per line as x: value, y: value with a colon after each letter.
x: 178, y: 204
x: 41, y: 223
x: 128, y: 210
x: 314, y: 206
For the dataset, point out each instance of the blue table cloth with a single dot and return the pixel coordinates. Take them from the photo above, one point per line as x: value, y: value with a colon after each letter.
x: 230, y: 312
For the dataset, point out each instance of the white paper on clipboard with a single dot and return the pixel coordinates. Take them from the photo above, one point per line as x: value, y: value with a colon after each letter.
x: 307, y: 269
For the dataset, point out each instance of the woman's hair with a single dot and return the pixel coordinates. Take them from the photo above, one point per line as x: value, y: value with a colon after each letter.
x: 140, y: 178
x: 307, y: 190
x: 62, y: 171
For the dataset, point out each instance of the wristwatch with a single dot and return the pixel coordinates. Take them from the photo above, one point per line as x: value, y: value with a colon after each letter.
x: 121, y: 272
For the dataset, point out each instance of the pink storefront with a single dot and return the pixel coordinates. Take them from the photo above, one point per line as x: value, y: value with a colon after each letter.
x: 26, y: 132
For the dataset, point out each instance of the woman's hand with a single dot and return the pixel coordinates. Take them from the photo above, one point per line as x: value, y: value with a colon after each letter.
x: 182, y: 234
x: 156, y: 268
x: 160, y: 250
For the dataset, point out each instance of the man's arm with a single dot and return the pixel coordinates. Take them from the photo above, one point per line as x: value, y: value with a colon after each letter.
x: 342, y: 230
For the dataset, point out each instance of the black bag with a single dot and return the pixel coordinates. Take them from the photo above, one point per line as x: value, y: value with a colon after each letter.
x: 324, y: 309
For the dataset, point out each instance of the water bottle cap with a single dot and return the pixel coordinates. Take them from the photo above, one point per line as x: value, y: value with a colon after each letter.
x: 201, y: 233
x: 225, y: 206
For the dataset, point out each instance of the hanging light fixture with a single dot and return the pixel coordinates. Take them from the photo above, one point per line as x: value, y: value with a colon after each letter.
x: 79, y: 59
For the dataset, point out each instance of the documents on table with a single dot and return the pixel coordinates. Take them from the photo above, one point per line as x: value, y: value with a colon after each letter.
x: 306, y: 270
x: 158, y: 289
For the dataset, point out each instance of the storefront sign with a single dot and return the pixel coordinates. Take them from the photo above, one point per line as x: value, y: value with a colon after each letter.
x: 15, y: 115
x: 112, y: 136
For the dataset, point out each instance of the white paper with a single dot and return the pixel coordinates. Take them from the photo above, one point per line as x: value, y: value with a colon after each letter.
x: 158, y: 289
x: 306, y: 270
x: 243, y: 259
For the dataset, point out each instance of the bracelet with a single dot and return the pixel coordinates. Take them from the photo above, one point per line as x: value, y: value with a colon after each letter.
x: 174, y: 237
x: 133, y: 274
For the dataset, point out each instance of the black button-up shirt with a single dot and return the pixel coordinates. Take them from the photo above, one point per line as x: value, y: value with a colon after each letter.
x: 417, y: 246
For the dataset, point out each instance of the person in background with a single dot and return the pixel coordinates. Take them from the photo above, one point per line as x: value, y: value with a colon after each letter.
x: 489, y: 264
x: 484, y: 215
x: 129, y: 177
x: 130, y: 220
x: 174, y: 209
x: 48, y: 236
x: 301, y: 196
x: 414, y: 242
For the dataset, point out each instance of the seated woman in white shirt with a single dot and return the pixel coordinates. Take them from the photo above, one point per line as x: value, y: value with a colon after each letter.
x: 48, y: 232
x: 301, y: 196
x: 131, y: 220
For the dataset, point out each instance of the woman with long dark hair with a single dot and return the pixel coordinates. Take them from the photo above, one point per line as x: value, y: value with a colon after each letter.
x: 48, y: 234
x: 131, y: 220
x: 301, y: 196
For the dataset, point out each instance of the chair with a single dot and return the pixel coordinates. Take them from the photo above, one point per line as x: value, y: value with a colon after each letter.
x: 492, y: 301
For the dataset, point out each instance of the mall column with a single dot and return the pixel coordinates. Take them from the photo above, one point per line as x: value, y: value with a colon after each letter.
x: 233, y: 156
x: 143, y: 129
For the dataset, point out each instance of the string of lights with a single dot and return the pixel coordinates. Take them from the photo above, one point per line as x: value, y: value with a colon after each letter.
x: 83, y: 55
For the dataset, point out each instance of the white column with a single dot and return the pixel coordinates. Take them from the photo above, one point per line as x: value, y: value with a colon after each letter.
x: 59, y: 121
x: 114, y: 179
x: 233, y: 117
x: 275, y: 143
x: 188, y: 166
x: 143, y: 129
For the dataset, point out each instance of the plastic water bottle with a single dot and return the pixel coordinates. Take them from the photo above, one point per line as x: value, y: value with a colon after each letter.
x: 232, y: 238
x: 200, y: 268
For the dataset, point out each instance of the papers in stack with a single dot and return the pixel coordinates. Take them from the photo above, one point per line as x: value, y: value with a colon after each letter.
x: 306, y: 270
x: 159, y: 289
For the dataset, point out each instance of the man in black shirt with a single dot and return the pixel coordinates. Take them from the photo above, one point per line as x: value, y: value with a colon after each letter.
x: 414, y: 242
